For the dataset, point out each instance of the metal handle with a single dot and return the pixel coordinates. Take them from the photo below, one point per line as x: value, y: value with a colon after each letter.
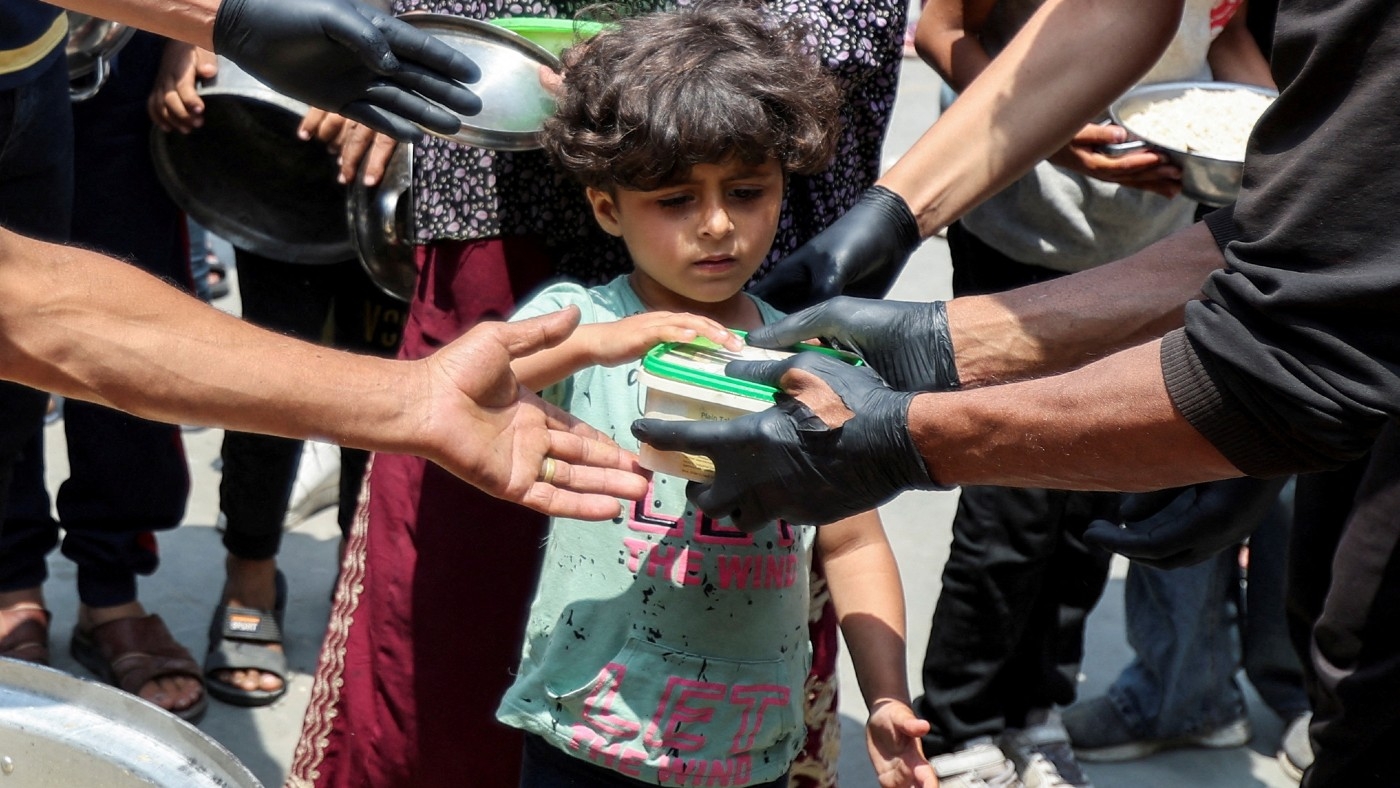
x: 79, y: 92
x: 1116, y: 149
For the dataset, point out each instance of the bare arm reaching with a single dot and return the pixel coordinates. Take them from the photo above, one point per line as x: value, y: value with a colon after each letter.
x: 79, y: 324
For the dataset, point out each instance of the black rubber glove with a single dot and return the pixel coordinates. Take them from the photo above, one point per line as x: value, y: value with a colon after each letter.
x: 1181, y: 526
x: 908, y: 344
x: 786, y: 463
x: 352, y: 59
x: 878, y: 231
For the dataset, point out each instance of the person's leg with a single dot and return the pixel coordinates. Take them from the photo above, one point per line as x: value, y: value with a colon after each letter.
x: 128, y: 477
x: 36, y: 199
x: 1269, y: 659
x: 254, y: 488
x: 366, y: 320
x: 1352, y: 629
x: 1181, y: 681
x: 998, y: 646
x: 1003, y: 540
x: 403, y: 678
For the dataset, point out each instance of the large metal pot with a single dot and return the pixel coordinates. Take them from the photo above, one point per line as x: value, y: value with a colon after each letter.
x: 246, y: 176
x: 92, y: 43
x: 59, y: 730
x: 379, y: 219
x: 1206, y: 179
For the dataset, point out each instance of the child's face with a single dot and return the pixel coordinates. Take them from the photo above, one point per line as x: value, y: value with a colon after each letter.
x: 698, y: 239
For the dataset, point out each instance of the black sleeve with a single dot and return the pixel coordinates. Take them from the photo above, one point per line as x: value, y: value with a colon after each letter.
x: 1292, y: 362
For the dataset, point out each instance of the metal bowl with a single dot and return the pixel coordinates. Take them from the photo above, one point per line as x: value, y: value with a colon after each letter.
x: 56, y: 729
x: 92, y: 43
x: 246, y: 176
x: 1205, y: 179
x: 514, y: 105
x: 379, y: 224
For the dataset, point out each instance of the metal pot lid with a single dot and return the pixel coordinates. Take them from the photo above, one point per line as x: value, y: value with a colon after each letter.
x: 514, y: 105
x: 246, y: 176
x: 57, y: 729
x: 379, y: 225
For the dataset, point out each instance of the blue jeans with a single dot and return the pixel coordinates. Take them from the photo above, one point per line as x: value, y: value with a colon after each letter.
x: 1182, y: 627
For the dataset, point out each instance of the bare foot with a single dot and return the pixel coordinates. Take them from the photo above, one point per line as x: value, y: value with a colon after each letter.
x: 173, y: 693
x: 251, y: 584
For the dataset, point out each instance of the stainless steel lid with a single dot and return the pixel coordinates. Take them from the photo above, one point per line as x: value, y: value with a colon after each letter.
x: 247, y: 177
x: 514, y: 105
x: 379, y: 224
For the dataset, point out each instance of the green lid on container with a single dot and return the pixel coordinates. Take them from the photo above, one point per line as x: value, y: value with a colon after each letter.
x: 701, y: 363
x: 555, y: 35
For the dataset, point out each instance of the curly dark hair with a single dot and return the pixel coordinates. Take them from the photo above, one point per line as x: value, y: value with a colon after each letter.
x: 645, y: 102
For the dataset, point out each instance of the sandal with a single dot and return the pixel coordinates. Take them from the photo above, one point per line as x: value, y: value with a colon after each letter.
x: 28, y: 638
x: 217, y: 279
x: 238, y: 640
x: 130, y: 652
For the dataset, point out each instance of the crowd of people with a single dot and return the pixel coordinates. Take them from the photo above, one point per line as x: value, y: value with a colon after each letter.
x: 1121, y: 369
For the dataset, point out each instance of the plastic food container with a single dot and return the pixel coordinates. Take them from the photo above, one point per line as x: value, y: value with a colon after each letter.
x: 555, y: 35
x: 686, y: 382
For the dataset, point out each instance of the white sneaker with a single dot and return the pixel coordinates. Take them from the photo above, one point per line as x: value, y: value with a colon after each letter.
x: 979, y: 764
x: 317, y: 484
x: 1042, y: 753
x: 1295, y: 753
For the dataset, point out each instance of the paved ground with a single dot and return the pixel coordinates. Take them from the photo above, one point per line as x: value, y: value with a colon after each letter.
x: 188, y: 585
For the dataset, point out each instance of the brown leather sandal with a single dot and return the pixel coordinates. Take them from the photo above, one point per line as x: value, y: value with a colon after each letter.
x: 28, y: 638
x: 129, y: 652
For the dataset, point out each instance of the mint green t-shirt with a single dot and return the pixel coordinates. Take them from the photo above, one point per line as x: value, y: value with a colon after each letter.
x: 664, y: 645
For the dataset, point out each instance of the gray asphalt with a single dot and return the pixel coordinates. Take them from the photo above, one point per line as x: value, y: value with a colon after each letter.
x: 188, y: 584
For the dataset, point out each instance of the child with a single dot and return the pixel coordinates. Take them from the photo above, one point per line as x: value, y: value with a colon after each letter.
x: 667, y: 647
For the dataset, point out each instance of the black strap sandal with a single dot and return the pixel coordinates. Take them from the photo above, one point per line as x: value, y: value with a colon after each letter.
x: 238, y: 640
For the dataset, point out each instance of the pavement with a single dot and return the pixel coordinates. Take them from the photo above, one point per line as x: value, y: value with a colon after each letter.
x: 187, y: 586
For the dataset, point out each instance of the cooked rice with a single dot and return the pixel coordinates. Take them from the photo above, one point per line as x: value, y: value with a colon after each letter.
x: 1214, y: 123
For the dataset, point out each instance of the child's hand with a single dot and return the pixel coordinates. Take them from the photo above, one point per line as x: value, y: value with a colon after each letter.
x: 892, y: 738
x: 1145, y: 169
x: 630, y: 338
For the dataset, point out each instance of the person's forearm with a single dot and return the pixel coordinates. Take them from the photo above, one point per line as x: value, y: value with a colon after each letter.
x: 79, y: 324
x: 191, y: 21
x: 1235, y: 57
x: 869, y: 600
x: 1067, y: 431
x: 1066, y: 322
x: 1030, y: 101
x: 947, y: 39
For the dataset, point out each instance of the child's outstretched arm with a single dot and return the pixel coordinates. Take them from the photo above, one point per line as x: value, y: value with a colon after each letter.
x: 869, y: 599
x: 616, y: 342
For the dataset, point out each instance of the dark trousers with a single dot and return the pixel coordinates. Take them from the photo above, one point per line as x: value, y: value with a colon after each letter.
x: 36, y: 199
x: 1344, y: 614
x: 128, y: 476
x: 1008, y: 629
x: 336, y: 304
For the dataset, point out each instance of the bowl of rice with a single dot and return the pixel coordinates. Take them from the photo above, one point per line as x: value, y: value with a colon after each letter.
x: 1202, y: 127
